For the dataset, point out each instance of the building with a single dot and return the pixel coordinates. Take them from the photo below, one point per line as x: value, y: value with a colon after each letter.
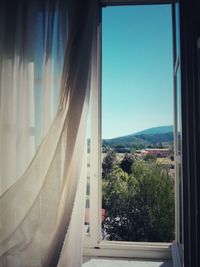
x: 158, y: 152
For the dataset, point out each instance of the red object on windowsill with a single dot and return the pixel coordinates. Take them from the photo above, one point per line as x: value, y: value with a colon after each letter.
x: 87, y: 215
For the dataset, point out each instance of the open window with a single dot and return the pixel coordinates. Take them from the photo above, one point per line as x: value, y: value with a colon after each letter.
x: 137, y: 77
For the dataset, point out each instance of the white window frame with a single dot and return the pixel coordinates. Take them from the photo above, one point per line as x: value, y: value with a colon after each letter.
x: 93, y: 245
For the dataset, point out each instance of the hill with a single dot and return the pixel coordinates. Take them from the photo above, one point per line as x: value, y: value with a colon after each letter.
x: 146, y: 138
x: 126, y: 141
x: 157, y: 130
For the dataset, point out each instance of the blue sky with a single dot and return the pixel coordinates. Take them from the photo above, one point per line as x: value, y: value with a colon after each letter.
x: 137, y: 82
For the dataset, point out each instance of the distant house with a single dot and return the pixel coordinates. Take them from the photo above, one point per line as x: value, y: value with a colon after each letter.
x: 159, y: 152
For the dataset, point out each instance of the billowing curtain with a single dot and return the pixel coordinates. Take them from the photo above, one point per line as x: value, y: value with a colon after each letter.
x: 47, y: 55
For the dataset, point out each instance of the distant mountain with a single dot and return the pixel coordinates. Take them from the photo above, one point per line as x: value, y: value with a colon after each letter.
x: 157, y: 138
x: 125, y: 141
x: 157, y: 130
x: 148, y: 137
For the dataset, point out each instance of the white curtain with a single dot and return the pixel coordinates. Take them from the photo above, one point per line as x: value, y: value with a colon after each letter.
x: 47, y: 52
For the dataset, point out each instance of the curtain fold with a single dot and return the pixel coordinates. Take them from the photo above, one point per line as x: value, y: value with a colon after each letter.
x: 45, y: 80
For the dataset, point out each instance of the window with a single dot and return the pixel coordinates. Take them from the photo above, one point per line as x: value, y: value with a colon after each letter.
x: 95, y: 239
x: 177, y: 132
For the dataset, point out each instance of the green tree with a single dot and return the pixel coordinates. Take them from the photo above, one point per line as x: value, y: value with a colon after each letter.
x: 105, y: 148
x: 160, y: 145
x: 127, y: 162
x: 139, y: 206
x: 108, y: 163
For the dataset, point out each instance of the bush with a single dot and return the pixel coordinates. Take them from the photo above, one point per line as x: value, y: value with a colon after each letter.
x: 139, y: 206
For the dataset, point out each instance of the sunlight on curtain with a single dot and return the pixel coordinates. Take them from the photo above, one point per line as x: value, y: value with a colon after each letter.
x: 45, y: 72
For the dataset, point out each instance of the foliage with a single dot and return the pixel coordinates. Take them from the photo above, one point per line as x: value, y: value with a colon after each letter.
x: 108, y: 163
x: 150, y: 157
x: 157, y: 139
x: 105, y: 148
x: 122, y: 149
x: 139, y: 206
x: 127, y: 162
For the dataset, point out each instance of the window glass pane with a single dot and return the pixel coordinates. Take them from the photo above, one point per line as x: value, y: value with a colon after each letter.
x: 179, y: 130
x: 179, y: 150
x: 177, y: 29
x: 179, y: 112
x: 87, y: 203
x: 137, y: 124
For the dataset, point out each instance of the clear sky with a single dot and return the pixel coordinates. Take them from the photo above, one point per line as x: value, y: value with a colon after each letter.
x: 137, y: 67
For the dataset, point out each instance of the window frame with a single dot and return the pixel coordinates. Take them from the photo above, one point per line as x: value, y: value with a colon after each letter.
x: 93, y: 245
x: 177, y: 156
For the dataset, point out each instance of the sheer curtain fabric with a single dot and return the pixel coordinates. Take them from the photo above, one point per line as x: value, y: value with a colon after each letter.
x: 46, y: 63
